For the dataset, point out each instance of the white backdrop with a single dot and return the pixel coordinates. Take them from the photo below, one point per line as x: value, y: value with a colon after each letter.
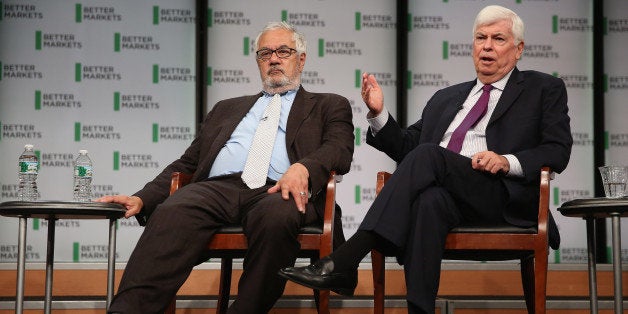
x: 115, y: 78
x: 555, y: 42
x: 343, y: 40
x: 133, y: 106
x: 616, y: 94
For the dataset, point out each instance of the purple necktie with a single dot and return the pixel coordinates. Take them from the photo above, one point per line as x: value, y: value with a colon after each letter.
x: 476, y: 113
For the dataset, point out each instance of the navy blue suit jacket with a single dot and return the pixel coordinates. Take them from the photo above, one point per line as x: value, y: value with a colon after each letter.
x: 530, y: 121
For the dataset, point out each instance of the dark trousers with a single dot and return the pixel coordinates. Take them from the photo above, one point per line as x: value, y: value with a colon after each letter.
x: 432, y: 191
x: 177, y: 234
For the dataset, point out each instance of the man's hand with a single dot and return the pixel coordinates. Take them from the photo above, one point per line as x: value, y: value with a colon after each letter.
x: 490, y: 161
x: 133, y: 204
x: 372, y: 95
x: 294, y: 182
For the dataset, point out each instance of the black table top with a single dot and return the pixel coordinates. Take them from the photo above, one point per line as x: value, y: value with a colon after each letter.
x: 62, y: 210
x: 596, y: 207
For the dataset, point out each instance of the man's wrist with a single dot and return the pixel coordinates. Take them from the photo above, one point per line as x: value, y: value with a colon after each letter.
x: 378, y: 122
x: 515, y: 169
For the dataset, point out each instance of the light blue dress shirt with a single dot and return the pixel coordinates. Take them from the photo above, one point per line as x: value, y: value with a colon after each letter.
x: 232, y: 156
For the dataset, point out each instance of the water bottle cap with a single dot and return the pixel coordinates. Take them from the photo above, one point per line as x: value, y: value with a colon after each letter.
x: 28, y: 146
x: 83, y: 151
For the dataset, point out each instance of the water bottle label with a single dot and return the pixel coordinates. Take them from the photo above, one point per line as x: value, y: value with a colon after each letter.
x: 83, y: 171
x: 29, y: 166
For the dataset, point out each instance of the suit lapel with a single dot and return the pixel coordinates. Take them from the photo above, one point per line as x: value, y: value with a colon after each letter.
x: 452, y: 108
x: 228, y: 125
x: 511, y: 92
x: 301, y: 108
x: 232, y: 121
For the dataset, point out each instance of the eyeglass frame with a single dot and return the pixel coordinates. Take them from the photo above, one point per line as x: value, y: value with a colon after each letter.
x: 275, y: 51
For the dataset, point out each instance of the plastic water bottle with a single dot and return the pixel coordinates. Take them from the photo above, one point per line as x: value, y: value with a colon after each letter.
x: 83, y: 172
x: 28, y: 168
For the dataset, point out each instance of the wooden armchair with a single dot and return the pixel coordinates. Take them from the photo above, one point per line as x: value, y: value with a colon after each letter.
x: 229, y: 242
x: 484, y: 243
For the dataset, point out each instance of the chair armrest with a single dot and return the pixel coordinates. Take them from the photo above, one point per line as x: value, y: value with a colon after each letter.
x: 179, y: 179
x: 382, y: 177
x: 544, y: 191
x: 329, y: 215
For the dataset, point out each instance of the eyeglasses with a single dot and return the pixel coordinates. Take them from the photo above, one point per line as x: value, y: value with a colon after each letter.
x: 283, y: 53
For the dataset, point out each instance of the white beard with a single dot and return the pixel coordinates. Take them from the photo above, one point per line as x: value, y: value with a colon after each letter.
x: 281, y: 85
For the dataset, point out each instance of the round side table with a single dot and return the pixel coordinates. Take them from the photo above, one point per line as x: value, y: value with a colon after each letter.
x: 590, y: 209
x: 54, y: 210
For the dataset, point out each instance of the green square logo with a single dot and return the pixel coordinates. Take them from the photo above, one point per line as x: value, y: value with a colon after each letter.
x: 155, y: 132
x: 78, y: 13
x: 116, y: 101
x: 246, y: 45
x: 37, y: 100
x: 38, y: 40
x: 155, y: 74
x: 77, y: 131
x: 76, y: 252
x: 321, y: 47
x: 77, y: 72
x: 116, y: 160
x: 116, y: 42
x: 156, y: 15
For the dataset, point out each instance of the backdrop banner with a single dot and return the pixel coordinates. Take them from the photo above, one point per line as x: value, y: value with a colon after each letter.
x: 615, y: 96
x: 117, y: 78
x: 558, y: 37
x: 344, y: 40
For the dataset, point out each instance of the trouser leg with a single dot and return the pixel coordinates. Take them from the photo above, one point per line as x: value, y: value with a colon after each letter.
x: 170, y: 246
x: 433, y: 215
x: 479, y: 194
x: 271, y: 227
x: 414, y: 309
x: 431, y: 191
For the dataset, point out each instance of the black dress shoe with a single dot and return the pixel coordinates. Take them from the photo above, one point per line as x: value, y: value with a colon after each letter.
x: 321, y: 276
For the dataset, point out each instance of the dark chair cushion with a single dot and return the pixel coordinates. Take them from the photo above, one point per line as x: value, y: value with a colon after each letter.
x: 492, y: 228
x: 310, y: 229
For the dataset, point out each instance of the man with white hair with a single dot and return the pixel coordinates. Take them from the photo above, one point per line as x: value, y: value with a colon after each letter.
x: 314, y: 135
x: 474, y: 156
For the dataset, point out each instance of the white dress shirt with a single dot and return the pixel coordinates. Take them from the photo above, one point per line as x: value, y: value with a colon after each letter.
x: 475, y: 139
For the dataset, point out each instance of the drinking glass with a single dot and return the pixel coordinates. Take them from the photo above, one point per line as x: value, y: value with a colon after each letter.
x: 614, y: 180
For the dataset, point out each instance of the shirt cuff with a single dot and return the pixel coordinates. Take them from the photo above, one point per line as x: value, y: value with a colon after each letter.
x: 515, y: 166
x: 377, y: 123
